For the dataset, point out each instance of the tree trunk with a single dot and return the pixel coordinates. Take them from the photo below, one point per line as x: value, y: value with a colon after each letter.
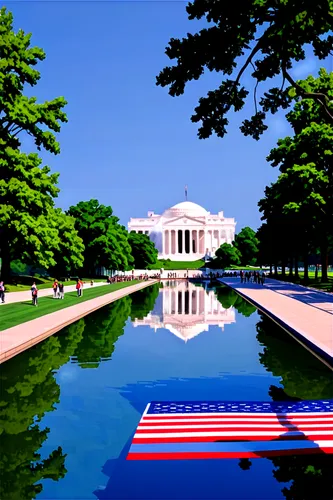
x: 324, y: 263
x: 316, y: 272
x: 275, y: 269
x: 291, y: 267
x: 270, y: 269
x: 306, y: 266
x: 296, y: 267
x: 5, y: 263
x: 283, y: 266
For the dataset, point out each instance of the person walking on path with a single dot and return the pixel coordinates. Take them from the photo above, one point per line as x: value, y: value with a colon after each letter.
x: 55, y: 289
x: 261, y: 277
x: 2, y: 292
x: 78, y: 288
x: 34, y: 293
x: 81, y: 288
x: 61, y: 291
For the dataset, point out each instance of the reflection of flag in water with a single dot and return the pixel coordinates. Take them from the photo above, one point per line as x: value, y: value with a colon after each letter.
x: 188, y: 430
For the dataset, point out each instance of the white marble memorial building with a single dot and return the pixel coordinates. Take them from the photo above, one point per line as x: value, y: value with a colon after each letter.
x: 186, y: 231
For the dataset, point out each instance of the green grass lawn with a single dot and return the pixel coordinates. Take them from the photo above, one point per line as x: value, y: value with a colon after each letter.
x: 20, y: 312
x: 23, y: 283
x: 174, y: 265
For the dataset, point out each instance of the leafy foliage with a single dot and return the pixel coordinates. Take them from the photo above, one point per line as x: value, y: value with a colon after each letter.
x: 247, y: 243
x: 106, y: 241
x: 143, y: 251
x: 19, y: 113
x: 269, y: 36
x: 227, y: 255
x: 302, y: 197
x: 28, y: 221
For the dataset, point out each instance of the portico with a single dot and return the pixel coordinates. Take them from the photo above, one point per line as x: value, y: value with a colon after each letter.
x: 186, y: 231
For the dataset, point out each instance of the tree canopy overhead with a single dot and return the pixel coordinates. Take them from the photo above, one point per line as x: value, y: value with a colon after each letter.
x: 19, y: 113
x: 266, y: 37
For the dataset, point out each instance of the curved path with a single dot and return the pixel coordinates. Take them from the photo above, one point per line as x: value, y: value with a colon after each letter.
x: 12, y: 297
x: 21, y: 337
x: 304, y: 312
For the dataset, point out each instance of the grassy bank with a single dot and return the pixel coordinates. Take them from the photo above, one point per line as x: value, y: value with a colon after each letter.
x: 20, y: 312
x: 23, y: 283
x: 174, y: 265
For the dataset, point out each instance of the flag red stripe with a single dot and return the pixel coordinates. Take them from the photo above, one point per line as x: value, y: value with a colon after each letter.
x: 281, y: 428
x: 212, y: 439
x: 205, y: 455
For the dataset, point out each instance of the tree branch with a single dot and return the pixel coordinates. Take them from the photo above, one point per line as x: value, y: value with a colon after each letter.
x: 249, y: 59
x: 318, y: 96
x: 255, y: 91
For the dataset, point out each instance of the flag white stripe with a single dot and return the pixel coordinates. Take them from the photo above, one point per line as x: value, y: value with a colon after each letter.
x: 155, y: 435
x: 232, y: 414
x: 236, y: 426
x: 235, y: 419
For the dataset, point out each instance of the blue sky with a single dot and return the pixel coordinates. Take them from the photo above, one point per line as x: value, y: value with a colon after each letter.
x: 128, y: 143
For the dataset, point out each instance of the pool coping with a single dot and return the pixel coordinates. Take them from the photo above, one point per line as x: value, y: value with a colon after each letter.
x: 321, y: 354
x: 42, y: 331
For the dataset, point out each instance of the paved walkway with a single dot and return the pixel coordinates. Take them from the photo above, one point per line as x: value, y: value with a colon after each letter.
x: 19, y: 338
x: 12, y: 297
x: 306, y: 313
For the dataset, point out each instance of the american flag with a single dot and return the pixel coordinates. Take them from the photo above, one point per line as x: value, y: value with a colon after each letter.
x: 199, y: 430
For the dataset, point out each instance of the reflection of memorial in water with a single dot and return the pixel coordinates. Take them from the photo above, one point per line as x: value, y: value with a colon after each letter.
x: 186, y: 310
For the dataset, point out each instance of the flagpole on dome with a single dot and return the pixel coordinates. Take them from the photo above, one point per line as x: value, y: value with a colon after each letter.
x: 186, y: 193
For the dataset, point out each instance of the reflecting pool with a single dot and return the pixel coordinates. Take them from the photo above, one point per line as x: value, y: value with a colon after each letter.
x: 70, y: 405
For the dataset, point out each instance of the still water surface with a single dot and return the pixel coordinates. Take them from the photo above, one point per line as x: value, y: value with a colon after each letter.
x: 70, y: 406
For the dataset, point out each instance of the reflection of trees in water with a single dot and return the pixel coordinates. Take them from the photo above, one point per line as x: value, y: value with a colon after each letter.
x: 28, y: 391
x: 143, y: 301
x: 303, y: 377
x: 302, y: 374
x: 102, y: 330
x: 229, y: 298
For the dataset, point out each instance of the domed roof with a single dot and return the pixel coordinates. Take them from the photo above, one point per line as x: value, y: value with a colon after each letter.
x: 186, y: 208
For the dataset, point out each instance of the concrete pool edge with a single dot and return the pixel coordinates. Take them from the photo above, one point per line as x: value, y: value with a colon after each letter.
x: 300, y: 337
x: 47, y: 325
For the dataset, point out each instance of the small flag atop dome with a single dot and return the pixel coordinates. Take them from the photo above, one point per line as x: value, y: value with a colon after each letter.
x: 186, y: 192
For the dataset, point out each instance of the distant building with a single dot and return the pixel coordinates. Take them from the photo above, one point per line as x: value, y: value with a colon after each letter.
x: 186, y: 231
x: 186, y: 311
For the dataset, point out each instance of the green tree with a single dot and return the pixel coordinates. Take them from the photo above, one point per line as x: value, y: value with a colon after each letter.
x: 303, y: 193
x: 247, y: 243
x: 28, y: 391
x: 227, y: 255
x: 69, y: 254
x: 144, y: 251
x: 26, y: 190
x: 268, y: 35
x: 105, y: 240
